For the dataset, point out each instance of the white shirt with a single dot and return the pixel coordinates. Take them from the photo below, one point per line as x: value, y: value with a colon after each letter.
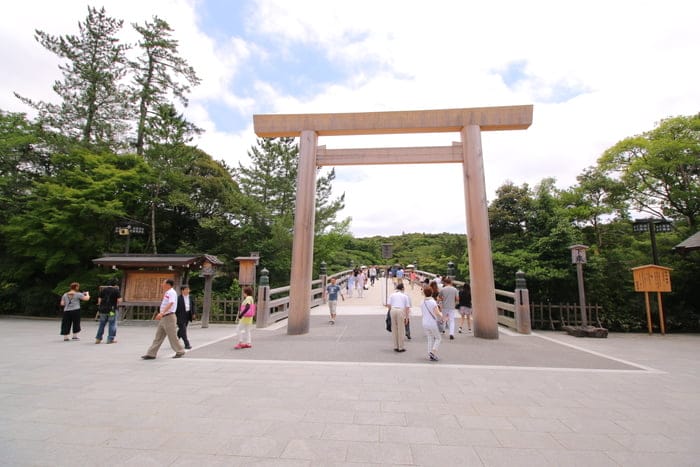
x: 429, y: 306
x: 399, y: 300
x: 170, y: 296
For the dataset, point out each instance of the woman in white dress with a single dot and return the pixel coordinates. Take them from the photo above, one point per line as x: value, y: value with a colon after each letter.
x: 361, y: 278
x: 431, y: 315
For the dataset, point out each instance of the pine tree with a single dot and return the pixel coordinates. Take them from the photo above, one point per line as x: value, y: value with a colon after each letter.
x: 271, y: 182
x: 271, y: 179
x: 159, y: 74
x: 94, y: 105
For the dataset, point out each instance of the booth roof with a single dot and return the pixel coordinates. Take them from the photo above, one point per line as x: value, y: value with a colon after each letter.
x: 690, y: 243
x: 141, y: 261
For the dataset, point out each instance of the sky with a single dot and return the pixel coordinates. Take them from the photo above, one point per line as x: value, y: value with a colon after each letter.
x: 595, y: 72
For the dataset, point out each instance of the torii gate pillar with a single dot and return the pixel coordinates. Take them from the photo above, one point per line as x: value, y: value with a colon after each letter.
x: 303, y: 243
x: 468, y: 122
x: 478, y: 236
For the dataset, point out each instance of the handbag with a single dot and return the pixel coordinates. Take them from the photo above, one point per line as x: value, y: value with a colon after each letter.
x: 388, y: 321
x: 440, y: 323
x: 246, y: 314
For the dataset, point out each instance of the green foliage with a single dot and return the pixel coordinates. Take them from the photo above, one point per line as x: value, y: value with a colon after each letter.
x: 69, y: 217
x: 661, y: 169
x: 270, y: 184
x: 510, y: 210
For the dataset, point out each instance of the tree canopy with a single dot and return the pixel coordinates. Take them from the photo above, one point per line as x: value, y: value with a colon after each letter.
x: 660, y: 169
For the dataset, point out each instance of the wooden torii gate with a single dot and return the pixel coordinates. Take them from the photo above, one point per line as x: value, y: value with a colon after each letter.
x: 468, y: 122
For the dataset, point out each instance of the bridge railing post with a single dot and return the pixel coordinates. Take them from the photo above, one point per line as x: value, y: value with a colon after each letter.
x: 324, y: 281
x: 263, y: 307
x: 522, y: 304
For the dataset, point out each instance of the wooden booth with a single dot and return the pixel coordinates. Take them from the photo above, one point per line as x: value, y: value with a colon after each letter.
x: 143, y: 275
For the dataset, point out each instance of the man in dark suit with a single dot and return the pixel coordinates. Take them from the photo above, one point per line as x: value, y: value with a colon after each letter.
x: 184, y: 313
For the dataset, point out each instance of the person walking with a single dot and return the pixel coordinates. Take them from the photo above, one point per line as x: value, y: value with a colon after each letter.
x: 413, y: 278
x: 245, y: 320
x: 408, y: 316
x: 70, y: 301
x: 448, y: 297
x: 184, y: 314
x: 361, y: 279
x: 107, y: 302
x: 167, y: 323
x: 465, y: 307
x: 372, y: 275
x: 399, y: 275
x: 399, y: 308
x: 431, y: 315
x: 333, y: 290
x: 434, y: 287
x: 351, y: 283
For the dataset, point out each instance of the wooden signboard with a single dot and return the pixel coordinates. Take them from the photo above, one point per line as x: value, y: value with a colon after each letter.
x: 145, y: 286
x: 246, y: 269
x: 653, y: 278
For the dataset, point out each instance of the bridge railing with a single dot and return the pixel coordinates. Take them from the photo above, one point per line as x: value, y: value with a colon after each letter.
x: 506, y: 307
x: 513, y: 308
x: 273, y: 304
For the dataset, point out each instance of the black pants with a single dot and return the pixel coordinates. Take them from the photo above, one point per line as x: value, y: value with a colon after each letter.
x: 70, y: 318
x: 182, y: 333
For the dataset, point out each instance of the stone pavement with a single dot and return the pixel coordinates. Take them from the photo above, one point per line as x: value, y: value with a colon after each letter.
x: 339, y: 395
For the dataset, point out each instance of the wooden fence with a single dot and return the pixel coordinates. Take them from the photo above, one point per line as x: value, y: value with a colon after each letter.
x: 553, y: 316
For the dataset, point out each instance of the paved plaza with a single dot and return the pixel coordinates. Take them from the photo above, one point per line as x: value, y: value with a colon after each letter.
x: 339, y: 395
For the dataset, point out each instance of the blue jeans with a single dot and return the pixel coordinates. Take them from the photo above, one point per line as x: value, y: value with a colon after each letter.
x: 110, y: 317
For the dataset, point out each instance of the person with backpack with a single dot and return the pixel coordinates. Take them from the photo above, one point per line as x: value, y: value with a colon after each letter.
x: 107, y: 302
x: 465, y: 307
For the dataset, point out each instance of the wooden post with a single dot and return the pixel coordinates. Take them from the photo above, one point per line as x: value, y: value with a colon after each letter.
x: 661, y: 314
x: 581, y: 294
x: 523, y: 322
x: 206, y: 307
x: 263, y: 309
x: 646, y: 301
x: 478, y: 236
x: 208, y: 271
x: 303, y: 245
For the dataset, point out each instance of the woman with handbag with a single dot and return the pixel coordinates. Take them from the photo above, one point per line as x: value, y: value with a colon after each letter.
x: 245, y: 320
x: 431, y: 318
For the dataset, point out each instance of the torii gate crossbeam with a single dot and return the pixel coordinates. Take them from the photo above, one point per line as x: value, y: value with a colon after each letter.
x: 468, y: 122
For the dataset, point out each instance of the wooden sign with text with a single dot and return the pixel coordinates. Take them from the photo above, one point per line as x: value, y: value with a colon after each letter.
x: 652, y: 278
x: 145, y: 286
